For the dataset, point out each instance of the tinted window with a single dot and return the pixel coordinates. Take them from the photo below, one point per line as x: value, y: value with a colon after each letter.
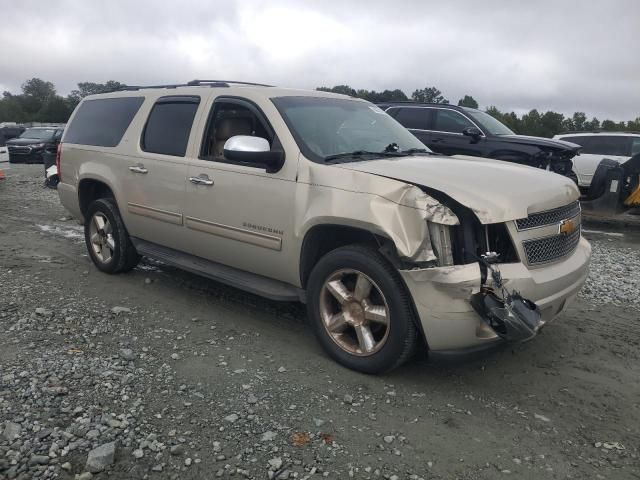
x: 635, y: 146
x: 169, y: 125
x: 450, y: 121
x: 413, y: 118
x: 603, y: 144
x: 102, y: 122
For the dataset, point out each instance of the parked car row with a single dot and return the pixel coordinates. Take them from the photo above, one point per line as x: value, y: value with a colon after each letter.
x: 599, y: 163
x: 455, y: 130
x: 596, y: 146
x: 32, y: 144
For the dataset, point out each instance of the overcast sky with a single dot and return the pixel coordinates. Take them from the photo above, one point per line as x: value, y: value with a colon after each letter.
x: 561, y: 55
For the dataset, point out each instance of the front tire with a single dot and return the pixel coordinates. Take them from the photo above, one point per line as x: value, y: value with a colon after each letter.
x: 360, y: 310
x: 107, y: 239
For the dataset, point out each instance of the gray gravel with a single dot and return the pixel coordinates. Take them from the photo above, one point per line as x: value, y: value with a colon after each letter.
x: 164, y: 375
x: 614, y: 276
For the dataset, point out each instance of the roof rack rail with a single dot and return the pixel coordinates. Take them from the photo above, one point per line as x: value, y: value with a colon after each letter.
x: 143, y: 87
x: 225, y: 83
x: 600, y: 130
x: 192, y: 83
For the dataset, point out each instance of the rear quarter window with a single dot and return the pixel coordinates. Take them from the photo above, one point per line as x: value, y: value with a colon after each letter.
x: 617, y: 145
x: 102, y: 122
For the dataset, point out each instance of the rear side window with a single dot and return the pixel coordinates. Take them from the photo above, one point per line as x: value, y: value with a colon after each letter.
x: 169, y: 125
x: 417, y: 118
x: 603, y: 144
x: 102, y: 122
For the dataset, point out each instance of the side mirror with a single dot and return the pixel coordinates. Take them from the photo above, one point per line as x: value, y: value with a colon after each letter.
x: 255, y: 150
x: 472, y: 132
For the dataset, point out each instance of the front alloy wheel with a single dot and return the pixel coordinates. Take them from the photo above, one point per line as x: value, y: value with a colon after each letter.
x: 360, y: 309
x: 354, y: 312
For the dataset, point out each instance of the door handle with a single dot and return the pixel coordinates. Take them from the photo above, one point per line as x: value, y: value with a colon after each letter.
x: 201, y: 179
x: 138, y: 168
x: 438, y: 140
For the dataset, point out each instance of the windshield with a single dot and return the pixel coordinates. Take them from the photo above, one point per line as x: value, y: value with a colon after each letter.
x: 325, y: 127
x: 490, y: 124
x: 38, y: 133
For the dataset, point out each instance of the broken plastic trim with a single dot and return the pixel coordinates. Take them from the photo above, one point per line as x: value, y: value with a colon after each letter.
x: 512, y: 317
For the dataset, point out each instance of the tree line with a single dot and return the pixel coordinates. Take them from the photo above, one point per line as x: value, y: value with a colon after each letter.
x: 540, y: 124
x: 39, y: 102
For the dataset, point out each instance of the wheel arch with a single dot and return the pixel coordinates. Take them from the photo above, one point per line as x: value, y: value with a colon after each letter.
x: 90, y: 189
x: 322, y: 238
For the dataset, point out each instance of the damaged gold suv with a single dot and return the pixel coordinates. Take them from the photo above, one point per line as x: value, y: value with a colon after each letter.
x: 321, y: 198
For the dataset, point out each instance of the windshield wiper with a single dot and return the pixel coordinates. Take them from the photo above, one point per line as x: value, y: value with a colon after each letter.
x: 412, y: 151
x: 360, y: 154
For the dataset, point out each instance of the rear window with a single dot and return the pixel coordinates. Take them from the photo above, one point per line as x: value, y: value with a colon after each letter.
x: 169, y: 125
x: 102, y: 122
x: 603, y: 144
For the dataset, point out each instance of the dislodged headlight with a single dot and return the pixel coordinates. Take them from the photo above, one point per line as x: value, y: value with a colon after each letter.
x: 441, y: 243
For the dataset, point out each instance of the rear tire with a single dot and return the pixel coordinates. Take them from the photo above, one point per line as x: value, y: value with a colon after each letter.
x: 107, y: 240
x: 360, y: 310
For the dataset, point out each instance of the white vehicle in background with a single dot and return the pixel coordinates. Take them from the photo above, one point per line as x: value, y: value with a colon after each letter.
x: 596, y: 146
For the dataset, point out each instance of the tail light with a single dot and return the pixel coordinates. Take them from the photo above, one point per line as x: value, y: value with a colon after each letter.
x: 58, y: 158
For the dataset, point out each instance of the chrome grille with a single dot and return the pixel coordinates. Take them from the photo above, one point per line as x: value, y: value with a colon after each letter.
x: 548, y: 217
x: 549, y: 249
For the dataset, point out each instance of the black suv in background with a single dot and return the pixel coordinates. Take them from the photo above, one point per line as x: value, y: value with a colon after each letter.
x: 30, y: 146
x: 454, y: 130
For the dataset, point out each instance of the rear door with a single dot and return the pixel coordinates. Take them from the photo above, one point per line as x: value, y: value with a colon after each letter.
x: 415, y: 119
x: 154, y: 179
x: 447, y: 137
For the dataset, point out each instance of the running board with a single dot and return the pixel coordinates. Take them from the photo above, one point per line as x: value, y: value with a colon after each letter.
x: 250, y: 282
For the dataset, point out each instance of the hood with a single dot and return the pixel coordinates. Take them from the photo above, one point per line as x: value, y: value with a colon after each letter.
x: 25, y: 141
x: 495, y: 191
x: 541, y: 142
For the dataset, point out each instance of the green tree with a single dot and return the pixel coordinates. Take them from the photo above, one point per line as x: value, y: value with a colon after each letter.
x: 11, y: 109
x: 35, y: 93
x: 468, y: 101
x: 428, y: 95
x: 551, y: 123
x: 91, y: 88
x: 55, y: 110
x: 343, y: 89
x: 594, y: 124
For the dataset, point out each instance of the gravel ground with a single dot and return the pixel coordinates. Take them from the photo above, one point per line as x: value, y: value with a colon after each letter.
x: 161, y: 374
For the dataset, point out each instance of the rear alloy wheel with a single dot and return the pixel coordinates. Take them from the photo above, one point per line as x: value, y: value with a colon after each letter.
x: 107, y: 239
x: 361, y: 310
x: 101, y: 235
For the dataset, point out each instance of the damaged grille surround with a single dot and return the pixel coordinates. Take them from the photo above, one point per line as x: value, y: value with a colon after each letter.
x: 549, y: 236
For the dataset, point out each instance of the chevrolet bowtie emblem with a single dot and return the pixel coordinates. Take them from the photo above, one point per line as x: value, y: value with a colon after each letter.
x: 567, y: 227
